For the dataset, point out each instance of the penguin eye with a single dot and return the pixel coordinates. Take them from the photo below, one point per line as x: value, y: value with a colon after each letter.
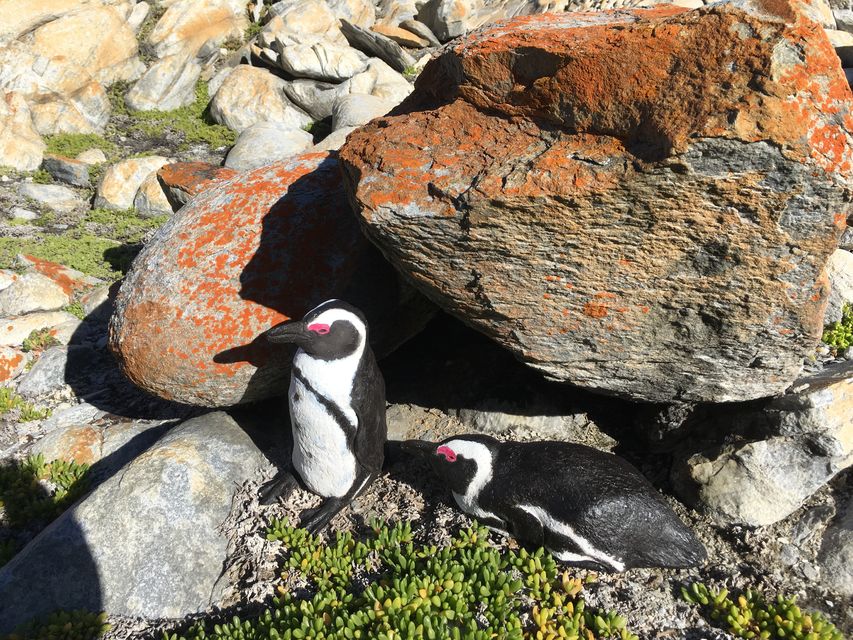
x: 448, y: 453
x: 322, y: 329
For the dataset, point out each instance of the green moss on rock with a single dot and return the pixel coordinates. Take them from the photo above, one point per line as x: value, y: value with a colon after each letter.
x: 93, y: 255
x: 71, y: 145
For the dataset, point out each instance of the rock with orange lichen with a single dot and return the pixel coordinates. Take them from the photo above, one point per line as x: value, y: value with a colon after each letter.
x: 246, y: 254
x: 182, y: 180
x: 620, y: 213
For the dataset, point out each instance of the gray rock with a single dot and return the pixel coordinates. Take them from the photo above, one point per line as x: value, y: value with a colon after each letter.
x: 447, y: 18
x: 266, y: 142
x: 839, y: 270
x: 63, y: 417
x: 334, y: 140
x: 19, y: 213
x: 168, y: 84
x: 320, y: 61
x: 843, y: 20
x: 31, y: 292
x: 54, y: 196
x: 836, y: 552
x: 92, y: 156
x: 49, y: 372
x: 146, y: 542
x: 421, y: 30
x: 356, y: 109
x: 758, y: 483
x: 846, y: 241
x: 66, y: 170
x: 314, y: 97
x: 375, y: 44
x: 137, y: 15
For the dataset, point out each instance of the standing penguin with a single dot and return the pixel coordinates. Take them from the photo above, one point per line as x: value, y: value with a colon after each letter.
x: 337, y: 408
x: 589, y: 508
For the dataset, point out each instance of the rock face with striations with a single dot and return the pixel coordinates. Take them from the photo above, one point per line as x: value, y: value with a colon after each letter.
x: 621, y: 213
x: 246, y: 254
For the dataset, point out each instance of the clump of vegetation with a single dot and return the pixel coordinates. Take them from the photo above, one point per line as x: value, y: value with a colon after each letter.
x: 40, y: 176
x: 750, y: 615
x: 840, y: 334
x: 93, y: 255
x: 252, y: 30
x: 64, y: 625
x: 192, y: 122
x: 387, y: 586
x: 410, y: 73
x: 24, y: 499
x: 75, y: 309
x: 39, y: 340
x: 71, y: 145
x: 10, y: 401
x: 125, y: 226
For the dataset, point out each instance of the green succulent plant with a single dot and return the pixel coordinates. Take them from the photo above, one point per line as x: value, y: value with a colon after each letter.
x: 840, y: 334
x: 38, y: 340
x: 388, y: 586
x: 751, y: 615
x: 9, y: 401
x: 64, y: 625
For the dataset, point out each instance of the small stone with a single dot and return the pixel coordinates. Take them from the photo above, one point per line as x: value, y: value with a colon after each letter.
x: 13, y: 331
x: 264, y: 143
x: 183, y: 180
x: 403, y: 37
x: 150, y: 200
x: 320, y: 61
x: 19, y: 213
x: 355, y: 110
x: 12, y: 362
x: 250, y: 95
x: 376, y: 44
x: 137, y: 15
x: 314, y: 97
x: 32, y: 292
x: 21, y: 147
x: 67, y: 170
x: 421, y: 30
x: 168, y: 84
x: 53, y: 196
x: 92, y: 156
x: 121, y: 181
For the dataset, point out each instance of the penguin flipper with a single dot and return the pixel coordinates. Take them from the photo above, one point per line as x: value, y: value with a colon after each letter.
x: 280, y: 486
x: 369, y: 404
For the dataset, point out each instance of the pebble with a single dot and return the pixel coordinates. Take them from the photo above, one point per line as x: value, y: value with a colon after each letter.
x: 91, y: 156
x: 53, y: 196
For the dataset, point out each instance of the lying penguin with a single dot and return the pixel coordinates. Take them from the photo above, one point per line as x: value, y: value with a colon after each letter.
x: 337, y: 408
x: 589, y: 508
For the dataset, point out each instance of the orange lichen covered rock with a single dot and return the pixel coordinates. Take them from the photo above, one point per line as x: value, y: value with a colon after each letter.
x: 248, y: 253
x: 182, y: 180
x: 639, y: 202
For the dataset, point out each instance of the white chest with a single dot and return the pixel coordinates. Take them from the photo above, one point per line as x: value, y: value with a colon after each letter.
x: 321, y: 454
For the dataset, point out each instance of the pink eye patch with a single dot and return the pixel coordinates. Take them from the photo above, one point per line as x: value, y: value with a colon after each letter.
x: 448, y: 453
x: 322, y: 329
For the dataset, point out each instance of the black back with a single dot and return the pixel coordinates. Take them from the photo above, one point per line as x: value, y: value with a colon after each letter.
x: 368, y: 402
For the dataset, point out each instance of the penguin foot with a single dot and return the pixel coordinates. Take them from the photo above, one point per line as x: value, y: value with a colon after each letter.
x: 319, y: 519
x: 280, y: 486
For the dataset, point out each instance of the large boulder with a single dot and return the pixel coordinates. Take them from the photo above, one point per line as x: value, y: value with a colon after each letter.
x: 252, y: 251
x: 147, y: 542
x: 619, y: 211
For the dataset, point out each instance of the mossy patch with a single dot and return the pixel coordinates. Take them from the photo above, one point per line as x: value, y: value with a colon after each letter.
x: 93, y: 255
x: 71, y: 145
x: 840, y: 334
x: 751, y: 615
x: 40, y: 176
x: 75, y: 309
x: 388, y: 586
x: 38, y: 340
x: 192, y: 122
x: 124, y: 226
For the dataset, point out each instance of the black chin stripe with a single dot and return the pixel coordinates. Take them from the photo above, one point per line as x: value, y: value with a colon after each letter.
x: 334, y: 410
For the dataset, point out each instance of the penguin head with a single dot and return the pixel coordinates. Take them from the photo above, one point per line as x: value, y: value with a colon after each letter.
x: 329, y: 331
x: 457, y: 460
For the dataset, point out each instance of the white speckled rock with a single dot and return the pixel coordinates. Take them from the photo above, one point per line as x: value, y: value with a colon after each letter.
x: 13, y: 331
x: 32, y: 292
x: 21, y: 147
x: 53, y: 196
x: 264, y: 143
x: 321, y: 61
x: 171, y: 554
x: 250, y: 95
x: 355, y: 110
x: 168, y: 84
x: 121, y: 181
x: 150, y: 199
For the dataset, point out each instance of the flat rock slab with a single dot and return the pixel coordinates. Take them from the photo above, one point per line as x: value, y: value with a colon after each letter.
x: 621, y: 212
x: 267, y: 245
x: 144, y: 543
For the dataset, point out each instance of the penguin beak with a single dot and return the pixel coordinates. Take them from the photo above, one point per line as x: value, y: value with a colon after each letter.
x: 293, y: 331
x: 418, y: 448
